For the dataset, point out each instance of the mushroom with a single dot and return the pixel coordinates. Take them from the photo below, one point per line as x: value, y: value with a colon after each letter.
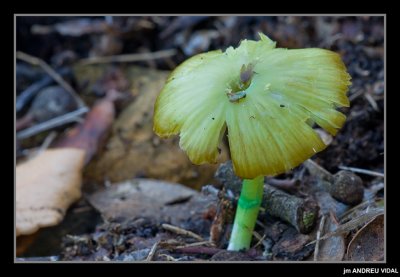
x: 268, y: 98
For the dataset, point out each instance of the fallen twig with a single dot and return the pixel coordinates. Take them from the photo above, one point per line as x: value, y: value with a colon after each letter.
x: 25, y: 96
x: 371, y: 101
x: 168, y: 257
x: 39, y: 62
x: 209, y: 243
x: 300, y: 213
x: 181, y: 231
x: 58, y: 121
x: 129, y: 57
x: 47, y: 141
x: 320, y: 229
x: 260, y: 224
x: 352, y: 224
x: 52, y: 123
x: 362, y: 171
x: 260, y: 239
x: 152, y: 252
x: 355, y: 95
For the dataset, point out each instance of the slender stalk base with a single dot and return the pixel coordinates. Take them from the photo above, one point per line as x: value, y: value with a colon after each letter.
x: 246, y: 213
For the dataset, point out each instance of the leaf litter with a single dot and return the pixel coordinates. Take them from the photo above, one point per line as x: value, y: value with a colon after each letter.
x: 121, y: 147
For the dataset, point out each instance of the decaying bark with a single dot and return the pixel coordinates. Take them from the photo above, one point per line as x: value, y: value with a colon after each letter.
x: 300, y: 213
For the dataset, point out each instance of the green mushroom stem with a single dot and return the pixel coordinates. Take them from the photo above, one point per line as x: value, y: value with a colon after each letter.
x: 246, y: 213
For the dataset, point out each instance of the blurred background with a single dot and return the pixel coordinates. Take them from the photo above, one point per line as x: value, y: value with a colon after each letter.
x: 68, y: 43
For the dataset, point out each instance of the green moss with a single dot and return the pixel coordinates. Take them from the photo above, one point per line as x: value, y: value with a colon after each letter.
x: 308, y: 219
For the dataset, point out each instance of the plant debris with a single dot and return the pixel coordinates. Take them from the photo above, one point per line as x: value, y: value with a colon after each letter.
x: 368, y: 243
x: 46, y: 186
x: 333, y: 248
x: 135, y: 182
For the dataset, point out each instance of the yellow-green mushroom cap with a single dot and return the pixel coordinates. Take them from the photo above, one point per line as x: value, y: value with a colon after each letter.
x: 266, y: 97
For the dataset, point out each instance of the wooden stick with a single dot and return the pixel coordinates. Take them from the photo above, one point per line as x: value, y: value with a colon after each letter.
x: 371, y: 101
x: 129, y: 57
x: 52, y: 123
x: 181, y: 231
x: 260, y: 239
x: 300, y: 213
x: 362, y: 171
x: 320, y: 229
x: 152, y: 252
x: 209, y: 243
x: 52, y: 73
x: 168, y: 257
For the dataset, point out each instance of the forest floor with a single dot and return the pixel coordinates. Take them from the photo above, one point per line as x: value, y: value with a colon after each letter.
x: 142, y: 199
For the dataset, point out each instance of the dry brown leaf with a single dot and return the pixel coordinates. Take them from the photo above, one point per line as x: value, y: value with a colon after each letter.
x: 333, y: 248
x: 46, y: 186
x: 368, y: 243
x: 292, y: 246
x: 138, y: 198
x: 159, y: 201
x: 354, y: 223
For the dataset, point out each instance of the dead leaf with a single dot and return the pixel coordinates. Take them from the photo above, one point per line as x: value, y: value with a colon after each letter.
x: 368, y: 243
x: 159, y: 201
x: 46, y: 186
x: 354, y: 223
x: 292, y: 246
x: 138, y: 198
x: 333, y: 248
